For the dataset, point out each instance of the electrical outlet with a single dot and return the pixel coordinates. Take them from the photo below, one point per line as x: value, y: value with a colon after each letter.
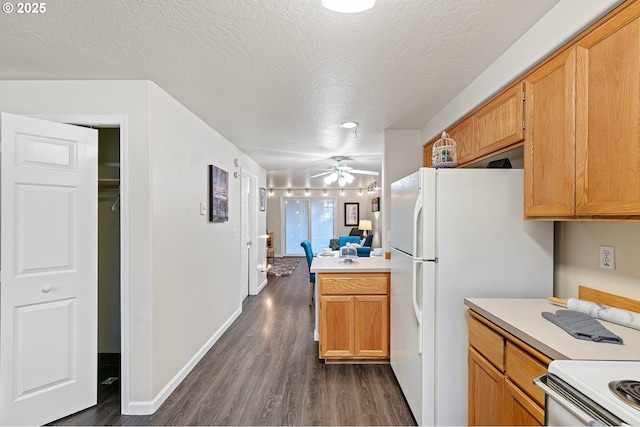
x: 607, y: 257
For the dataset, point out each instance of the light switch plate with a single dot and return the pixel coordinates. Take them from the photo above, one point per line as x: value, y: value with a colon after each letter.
x: 203, y: 208
x: 607, y: 257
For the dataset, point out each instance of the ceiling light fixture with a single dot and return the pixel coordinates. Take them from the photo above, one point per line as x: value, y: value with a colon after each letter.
x: 348, y: 6
x: 349, y: 125
x: 343, y: 178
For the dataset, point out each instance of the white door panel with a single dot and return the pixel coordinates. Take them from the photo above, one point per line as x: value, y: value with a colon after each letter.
x: 48, y: 291
x: 246, y: 242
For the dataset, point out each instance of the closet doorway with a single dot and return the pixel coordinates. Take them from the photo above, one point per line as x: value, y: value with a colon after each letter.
x: 109, y: 303
x: 108, y: 127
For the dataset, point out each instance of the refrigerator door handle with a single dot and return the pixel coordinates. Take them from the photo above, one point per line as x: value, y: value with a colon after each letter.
x: 414, y: 300
x: 417, y: 208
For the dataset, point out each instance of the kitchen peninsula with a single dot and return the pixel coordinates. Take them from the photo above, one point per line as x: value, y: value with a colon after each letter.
x: 352, y: 309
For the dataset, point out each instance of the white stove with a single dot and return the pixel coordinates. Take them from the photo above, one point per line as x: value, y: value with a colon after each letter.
x: 583, y: 387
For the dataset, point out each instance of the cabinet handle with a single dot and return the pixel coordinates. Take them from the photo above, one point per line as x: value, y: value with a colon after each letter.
x: 46, y: 289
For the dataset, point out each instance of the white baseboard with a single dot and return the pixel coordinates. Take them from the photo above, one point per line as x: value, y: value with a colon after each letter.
x: 149, y: 407
x: 261, y: 286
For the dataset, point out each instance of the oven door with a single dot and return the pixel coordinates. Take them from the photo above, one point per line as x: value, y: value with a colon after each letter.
x: 565, y: 406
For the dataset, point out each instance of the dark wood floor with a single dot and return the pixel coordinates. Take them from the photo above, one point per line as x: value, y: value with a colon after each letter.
x: 265, y: 371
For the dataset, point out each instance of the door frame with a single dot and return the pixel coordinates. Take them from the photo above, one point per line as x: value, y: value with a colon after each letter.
x: 253, y: 202
x: 120, y: 121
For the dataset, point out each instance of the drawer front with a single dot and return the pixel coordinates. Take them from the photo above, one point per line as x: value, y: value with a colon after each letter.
x: 522, y: 369
x: 354, y: 284
x: 488, y: 343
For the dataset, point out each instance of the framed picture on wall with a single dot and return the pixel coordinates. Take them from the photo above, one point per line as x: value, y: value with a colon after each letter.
x: 375, y: 204
x: 218, y: 194
x: 351, y: 214
x: 263, y: 197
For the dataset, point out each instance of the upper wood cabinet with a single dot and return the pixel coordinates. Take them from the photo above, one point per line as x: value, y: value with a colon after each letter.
x: 427, y: 159
x: 549, y: 147
x: 583, y: 114
x: 608, y: 117
x: 463, y: 135
x: 499, y: 123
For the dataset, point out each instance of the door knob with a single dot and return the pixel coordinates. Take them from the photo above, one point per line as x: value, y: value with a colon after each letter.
x: 46, y: 288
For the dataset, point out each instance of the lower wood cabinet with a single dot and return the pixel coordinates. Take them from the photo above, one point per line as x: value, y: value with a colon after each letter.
x: 501, y: 373
x: 354, y: 316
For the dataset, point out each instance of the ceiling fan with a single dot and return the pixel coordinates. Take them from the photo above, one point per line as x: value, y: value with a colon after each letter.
x: 342, y: 173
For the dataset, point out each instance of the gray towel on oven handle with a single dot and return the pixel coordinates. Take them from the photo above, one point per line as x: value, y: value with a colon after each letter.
x: 582, y: 326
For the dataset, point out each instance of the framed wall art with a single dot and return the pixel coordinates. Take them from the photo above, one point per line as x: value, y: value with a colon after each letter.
x: 263, y: 199
x: 351, y: 214
x: 218, y: 194
x: 375, y: 204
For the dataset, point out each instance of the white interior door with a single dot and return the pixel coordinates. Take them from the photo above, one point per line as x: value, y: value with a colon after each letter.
x: 48, y: 278
x: 245, y: 244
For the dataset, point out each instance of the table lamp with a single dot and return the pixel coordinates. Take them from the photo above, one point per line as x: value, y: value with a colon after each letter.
x: 365, y: 225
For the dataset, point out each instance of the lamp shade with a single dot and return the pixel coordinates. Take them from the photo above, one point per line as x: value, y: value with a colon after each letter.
x: 364, y: 224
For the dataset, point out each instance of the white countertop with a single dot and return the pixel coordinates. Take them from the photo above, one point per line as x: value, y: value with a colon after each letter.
x: 373, y: 264
x: 523, y: 319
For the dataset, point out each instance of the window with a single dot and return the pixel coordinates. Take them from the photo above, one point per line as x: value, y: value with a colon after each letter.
x: 308, y: 219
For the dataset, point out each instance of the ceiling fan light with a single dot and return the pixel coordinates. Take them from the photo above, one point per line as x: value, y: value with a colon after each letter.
x: 349, y: 177
x: 342, y: 181
x: 327, y: 179
x: 348, y: 6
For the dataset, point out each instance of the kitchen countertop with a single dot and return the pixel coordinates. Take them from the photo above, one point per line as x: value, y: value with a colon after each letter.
x: 374, y: 264
x: 523, y: 319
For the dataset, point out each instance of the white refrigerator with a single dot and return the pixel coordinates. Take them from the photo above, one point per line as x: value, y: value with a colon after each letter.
x: 456, y: 233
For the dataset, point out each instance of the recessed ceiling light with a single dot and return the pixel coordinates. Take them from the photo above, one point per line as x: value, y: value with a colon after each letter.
x: 348, y: 6
x: 349, y: 125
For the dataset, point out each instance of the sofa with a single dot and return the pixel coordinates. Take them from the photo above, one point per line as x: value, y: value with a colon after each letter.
x: 363, y: 251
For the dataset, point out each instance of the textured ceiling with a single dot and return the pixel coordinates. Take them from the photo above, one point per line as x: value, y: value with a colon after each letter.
x: 277, y: 77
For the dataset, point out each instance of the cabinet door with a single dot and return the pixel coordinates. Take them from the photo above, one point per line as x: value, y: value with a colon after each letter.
x: 372, y: 326
x: 463, y: 135
x: 486, y: 392
x: 607, y: 116
x: 427, y: 158
x: 549, y: 146
x: 520, y: 410
x: 336, y: 326
x: 499, y: 123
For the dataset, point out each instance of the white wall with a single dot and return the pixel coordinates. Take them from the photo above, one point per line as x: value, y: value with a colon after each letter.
x: 396, y: 165
x: 182, y: 289
x: 577, y: 248
x: 196, y: 263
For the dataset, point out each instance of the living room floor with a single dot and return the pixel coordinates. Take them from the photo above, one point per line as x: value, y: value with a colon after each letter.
x: 265, y: 371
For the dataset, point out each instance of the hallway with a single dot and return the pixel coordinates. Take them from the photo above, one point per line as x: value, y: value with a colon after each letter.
x: 265, y: 371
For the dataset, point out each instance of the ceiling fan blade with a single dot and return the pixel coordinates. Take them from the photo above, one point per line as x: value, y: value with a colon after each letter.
x: 320, y: 174
x: 364, y: 172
